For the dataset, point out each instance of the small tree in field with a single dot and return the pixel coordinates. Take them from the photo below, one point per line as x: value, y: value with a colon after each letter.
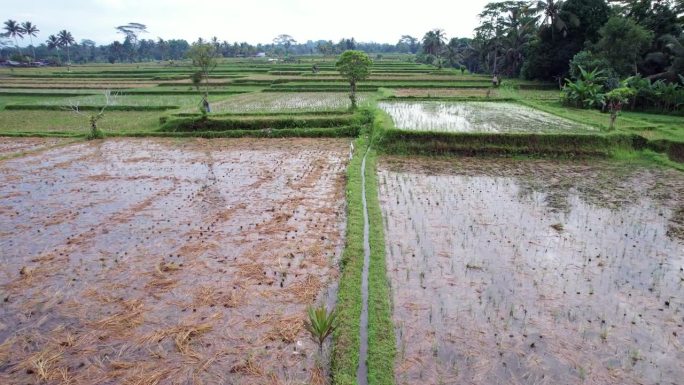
x: 203, y: 56
x: 96, y: 116
x: 355, y: 66
x: 615, y: 99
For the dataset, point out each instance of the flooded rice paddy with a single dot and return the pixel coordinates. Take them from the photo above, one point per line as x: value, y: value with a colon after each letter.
x: 287, y: 102
x: 167, y: 261
x: 475, y: 117
x: 535, y: 272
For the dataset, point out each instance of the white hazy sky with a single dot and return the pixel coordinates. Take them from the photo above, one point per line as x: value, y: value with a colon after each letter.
x: 253, y: 21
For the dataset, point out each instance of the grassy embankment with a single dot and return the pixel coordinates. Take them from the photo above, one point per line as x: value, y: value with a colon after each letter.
x: 381, y: 342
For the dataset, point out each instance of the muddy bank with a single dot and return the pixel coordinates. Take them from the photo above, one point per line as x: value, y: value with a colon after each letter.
x: 534, y: 271
x: 167, y: 261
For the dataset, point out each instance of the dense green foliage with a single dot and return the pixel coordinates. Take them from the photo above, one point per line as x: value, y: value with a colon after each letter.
x: 549, y: 40
x: 354, y: 66
x: 621, y: 44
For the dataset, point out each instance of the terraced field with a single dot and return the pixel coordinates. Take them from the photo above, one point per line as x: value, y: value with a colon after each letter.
x: 187, y: 247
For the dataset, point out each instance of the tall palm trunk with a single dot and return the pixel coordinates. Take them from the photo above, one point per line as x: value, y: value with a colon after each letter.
x: 33, y: 48
x: 16, y: 43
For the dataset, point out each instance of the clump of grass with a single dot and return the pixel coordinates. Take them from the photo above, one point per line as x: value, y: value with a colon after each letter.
x: 557, y: 226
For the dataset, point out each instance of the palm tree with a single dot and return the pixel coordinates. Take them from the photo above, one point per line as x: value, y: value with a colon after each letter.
x: 520, y: 27
x: 433, y: 41
x: 551, y: 11
x: 53, y: 43
x: 65, y: 40
x: 31, y: 30
x: 14, y: 30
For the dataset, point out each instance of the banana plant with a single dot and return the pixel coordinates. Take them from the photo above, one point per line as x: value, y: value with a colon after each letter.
x: 587, y: 91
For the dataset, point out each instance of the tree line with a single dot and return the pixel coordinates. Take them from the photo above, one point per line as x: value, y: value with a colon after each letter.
x: 133, y: 47
x: 549, y: 40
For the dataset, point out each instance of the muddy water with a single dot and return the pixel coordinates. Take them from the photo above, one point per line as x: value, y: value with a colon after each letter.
x: 535, y: 272
x: 475, y: 117
x: 11, y: 146
x: 164, y: 261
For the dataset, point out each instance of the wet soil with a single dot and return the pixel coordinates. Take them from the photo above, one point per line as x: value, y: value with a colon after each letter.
x: 535, y: 271
x: 10, y: 146
x: 167, y: 261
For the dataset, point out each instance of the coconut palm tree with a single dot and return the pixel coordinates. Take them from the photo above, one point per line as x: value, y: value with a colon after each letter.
x: 53, y: 43
x: 66, y: 40
x: 31, y: 30
x: 550, y: 9
x: 433, y: 41
x: 520, y: 28
x: 14, y: 30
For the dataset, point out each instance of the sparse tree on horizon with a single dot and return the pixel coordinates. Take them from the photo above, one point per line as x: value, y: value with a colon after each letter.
x: 15, y: 31
x: 31, y: 30
x: 52, y: 42
x: 285, y: 41
x: 66, y: 40
x: 204, y: 56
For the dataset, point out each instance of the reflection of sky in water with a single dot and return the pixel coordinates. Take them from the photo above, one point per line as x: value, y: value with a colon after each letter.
x: 475, y: 117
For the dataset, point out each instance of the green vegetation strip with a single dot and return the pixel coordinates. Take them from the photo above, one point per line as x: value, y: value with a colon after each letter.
x: 271, y: 114
x: 345, y: 358
x: 445, y: 99
x: 46, y: 94
x: 339, y: 132
x: 179, y: 92
x: 52, y: 107
x: 381, y: 339
x: 225, y: 124
x: 395, y: 141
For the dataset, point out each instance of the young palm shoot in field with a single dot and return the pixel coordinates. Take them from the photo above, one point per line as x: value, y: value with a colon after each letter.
x: 355, y: 66
x: 321, y: 324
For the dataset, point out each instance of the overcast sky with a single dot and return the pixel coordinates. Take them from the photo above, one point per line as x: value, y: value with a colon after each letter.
x: 253, y: 21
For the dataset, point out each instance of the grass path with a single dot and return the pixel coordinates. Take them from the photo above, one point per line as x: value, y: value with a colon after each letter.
x: 362, y: 372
